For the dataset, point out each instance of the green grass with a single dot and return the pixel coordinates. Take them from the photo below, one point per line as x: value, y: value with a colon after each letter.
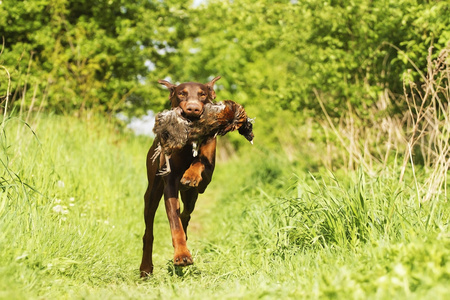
x: 71, y: 222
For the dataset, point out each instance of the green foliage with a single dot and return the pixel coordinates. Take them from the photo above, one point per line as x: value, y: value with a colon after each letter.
x: 78, y: 56
x: 282, y: 54
x: 277, y: 55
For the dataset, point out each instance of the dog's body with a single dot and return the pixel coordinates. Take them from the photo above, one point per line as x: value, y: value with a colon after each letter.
x: 189, y: 175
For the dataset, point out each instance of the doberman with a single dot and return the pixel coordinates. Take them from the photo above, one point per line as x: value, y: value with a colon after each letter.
x: 189, y: 175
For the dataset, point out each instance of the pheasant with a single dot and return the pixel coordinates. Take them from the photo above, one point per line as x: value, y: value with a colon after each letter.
x: 174, y: 131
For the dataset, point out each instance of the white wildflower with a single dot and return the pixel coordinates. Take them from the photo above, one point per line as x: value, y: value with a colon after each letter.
x: 400, y: 270
x: 60, y: 209
x: 60, y: 183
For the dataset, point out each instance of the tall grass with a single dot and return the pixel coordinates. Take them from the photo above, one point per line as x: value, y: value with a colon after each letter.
x: 65, y: 186
x: 401, y: 163
x: 330, y: 212
x: 347, y: 235
x: 419, y: 137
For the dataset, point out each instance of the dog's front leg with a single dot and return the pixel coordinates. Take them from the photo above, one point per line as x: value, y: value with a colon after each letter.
x: 182, y: 256
x: 200, y: 171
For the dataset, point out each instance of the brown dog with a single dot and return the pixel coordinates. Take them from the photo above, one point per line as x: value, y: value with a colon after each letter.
x: 189, y: 175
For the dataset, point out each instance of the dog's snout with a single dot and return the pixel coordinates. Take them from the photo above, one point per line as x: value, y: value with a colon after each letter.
x: 193, y: 109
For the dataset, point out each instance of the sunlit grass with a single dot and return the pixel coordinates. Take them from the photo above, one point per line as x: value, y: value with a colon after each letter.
x: 71, y: 222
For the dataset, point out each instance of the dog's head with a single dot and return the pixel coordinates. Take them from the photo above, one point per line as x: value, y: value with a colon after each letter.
x: 191, y: 96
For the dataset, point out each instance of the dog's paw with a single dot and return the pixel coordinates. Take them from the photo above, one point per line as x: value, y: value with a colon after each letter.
x: 146, y: 270
x: 183, y: 259
x: 192, y: 176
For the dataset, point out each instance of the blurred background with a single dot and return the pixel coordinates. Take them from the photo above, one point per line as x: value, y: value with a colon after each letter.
x: 74, y: 56
x: 290, y: 63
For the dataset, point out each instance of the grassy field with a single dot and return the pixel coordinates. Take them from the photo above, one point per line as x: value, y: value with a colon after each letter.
x: 71, y: 222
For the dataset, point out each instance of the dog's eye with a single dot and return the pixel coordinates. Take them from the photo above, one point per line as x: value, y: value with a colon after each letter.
x: 203, y: 94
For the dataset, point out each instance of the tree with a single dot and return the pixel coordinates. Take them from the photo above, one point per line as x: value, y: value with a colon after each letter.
x: 282, y: 54
x: 80, y: 54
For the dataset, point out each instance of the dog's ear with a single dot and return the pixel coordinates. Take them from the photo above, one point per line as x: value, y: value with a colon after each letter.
x: 170, y: 86
x: 210, y: 85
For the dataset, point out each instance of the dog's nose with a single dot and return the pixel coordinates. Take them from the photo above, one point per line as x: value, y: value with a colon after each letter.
x: 193, y: 109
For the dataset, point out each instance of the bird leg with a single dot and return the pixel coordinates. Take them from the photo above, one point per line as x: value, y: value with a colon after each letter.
x: 164, y: 171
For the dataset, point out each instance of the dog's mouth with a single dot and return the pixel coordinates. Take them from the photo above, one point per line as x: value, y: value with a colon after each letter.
x: 191, y: 116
